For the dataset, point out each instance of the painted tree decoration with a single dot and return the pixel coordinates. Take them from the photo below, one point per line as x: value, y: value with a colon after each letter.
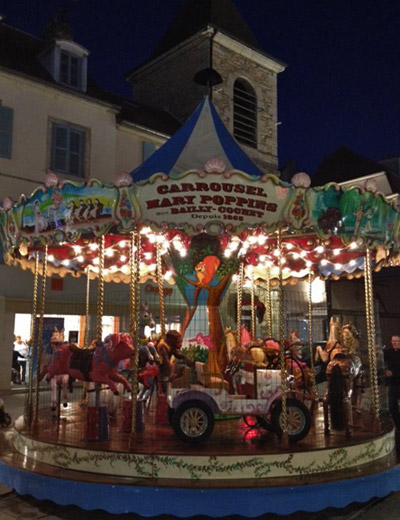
x: 203, y: 276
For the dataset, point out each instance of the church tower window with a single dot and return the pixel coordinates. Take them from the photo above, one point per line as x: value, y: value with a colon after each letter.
x: 245, y: 113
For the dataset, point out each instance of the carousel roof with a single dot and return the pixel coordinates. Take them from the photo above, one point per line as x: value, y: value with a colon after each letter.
x: 201, y: 183
x: 202, y: 137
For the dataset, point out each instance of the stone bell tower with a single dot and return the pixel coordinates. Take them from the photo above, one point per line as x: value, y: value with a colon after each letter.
x: 209, y: 49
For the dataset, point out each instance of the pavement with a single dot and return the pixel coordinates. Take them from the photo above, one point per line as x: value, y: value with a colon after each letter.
x: 16, y: 507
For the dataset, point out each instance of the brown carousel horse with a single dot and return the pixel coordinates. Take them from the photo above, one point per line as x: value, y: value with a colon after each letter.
x: 344, y: 376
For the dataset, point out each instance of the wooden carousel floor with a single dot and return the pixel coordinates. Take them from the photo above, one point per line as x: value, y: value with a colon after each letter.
x: 230, y: 435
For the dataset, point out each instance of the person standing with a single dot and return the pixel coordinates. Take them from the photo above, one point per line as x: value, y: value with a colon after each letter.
x: 20, y: 357
x: 392, y: 373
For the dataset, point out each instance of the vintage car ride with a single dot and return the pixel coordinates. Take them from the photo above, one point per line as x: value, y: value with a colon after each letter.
x: 192, y: 407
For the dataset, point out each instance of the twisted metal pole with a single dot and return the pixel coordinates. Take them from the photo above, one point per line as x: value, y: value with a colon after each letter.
x: 371, y: 333
x: 239, y: 302
x: 134, y: 298
x: 310, y: 331
x: 40, y: 334
x: 284, y: 423
x: 252, y: 303
x: 32, y: 342
x: 268, y: 301
x: 160, y: 285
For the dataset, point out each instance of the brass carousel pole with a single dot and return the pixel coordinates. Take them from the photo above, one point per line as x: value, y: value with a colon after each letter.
x: 85, y: 384
x: 239, y: 303
x: 268, y: 301
x: 86, y: 337
x: 370, y: 315
x: 252, y: 301
x: 40, y: 334
x: 160, y: 290
x: 285, y: 436
x: 100, y: 304
x: 310, y: 331
x: 32, y: 343
x: 134, y: 295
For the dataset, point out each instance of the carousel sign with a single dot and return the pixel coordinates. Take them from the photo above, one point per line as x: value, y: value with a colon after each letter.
x: 194, y: 200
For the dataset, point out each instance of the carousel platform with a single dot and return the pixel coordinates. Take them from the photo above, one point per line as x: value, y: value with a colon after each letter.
x: 237, y: 471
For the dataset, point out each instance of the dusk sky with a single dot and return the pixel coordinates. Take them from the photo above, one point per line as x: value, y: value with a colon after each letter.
x: 341, y: 85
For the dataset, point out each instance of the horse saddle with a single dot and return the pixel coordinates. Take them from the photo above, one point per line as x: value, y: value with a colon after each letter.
x: 81, y: 359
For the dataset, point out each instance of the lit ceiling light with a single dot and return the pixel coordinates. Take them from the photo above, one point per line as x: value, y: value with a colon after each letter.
x: 338, y: 267
x: 93, y: 246
x: 324, y: 261
x: 51, y: 258
x: 109, y: 253
x: 353, y: 245
x: 319, y: 249
x: 148, y: 256
x: 337, y: 252
x: 80, y: 258
x: 77, y: 249
x: 123, y: 258
x: 122, y: 243
x: 96, y: 261
x: 289, y: 246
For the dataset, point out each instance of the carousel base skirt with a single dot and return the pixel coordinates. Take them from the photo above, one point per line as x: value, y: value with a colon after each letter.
x: 234, y: 472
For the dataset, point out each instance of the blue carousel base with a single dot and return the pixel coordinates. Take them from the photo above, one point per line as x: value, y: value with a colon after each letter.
x: 152, y: 501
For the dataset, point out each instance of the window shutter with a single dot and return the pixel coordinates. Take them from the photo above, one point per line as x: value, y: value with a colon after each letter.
x: 6, y: 126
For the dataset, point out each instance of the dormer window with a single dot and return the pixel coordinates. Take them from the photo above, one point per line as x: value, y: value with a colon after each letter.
x: 70, y: 69
x: 66, y: 61
x: 245, y: 113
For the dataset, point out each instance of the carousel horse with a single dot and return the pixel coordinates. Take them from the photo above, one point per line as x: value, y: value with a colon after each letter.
x: 344, y: 376
x: 145, y: 319
x: 60, y: 381
x: 98, y: 364
x: 298, y: 368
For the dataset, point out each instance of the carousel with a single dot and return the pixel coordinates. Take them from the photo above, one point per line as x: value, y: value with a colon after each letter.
x: 209, y: 414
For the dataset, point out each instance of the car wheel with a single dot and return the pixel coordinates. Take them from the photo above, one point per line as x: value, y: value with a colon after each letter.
x: 193, y: 421
x: 298, y: 419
